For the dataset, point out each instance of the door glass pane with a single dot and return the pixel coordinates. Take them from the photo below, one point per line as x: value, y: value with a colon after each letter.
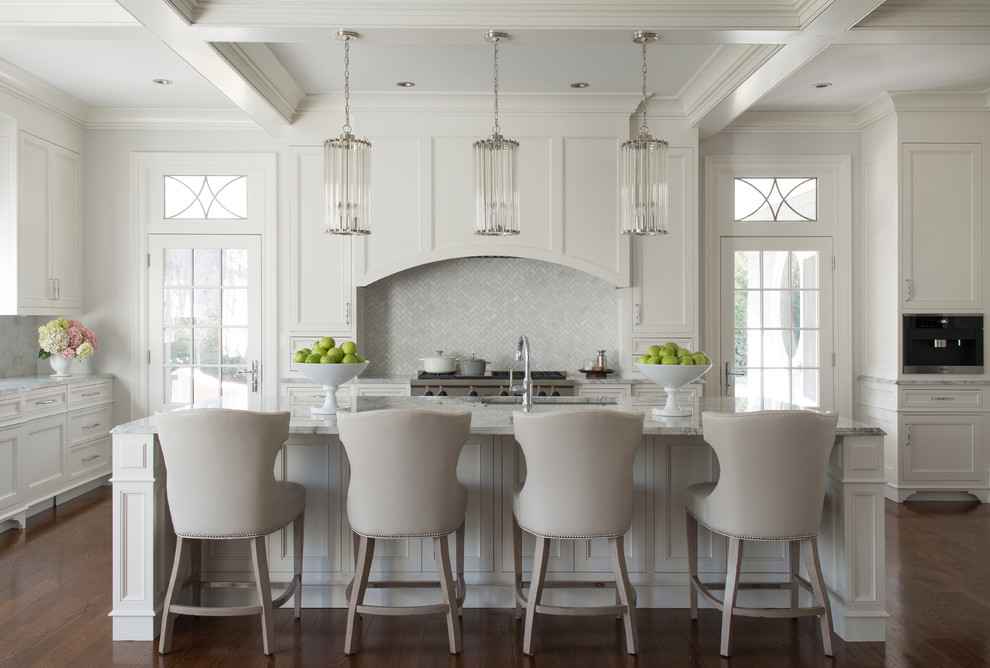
x: 178, y: 307
x: 805, y: 387
x: 178, y: 266
x: 178, y: 345
x: 776, y: 308
x: 776, y: 270
x: 804, y: 308
x: 235, y: 307
x: 749, y: 346
x: 235, y: 266
x: 749, y: 386
x: 207, y: 346
x: 206, y: 267
x: 234, y: 383
x: 776, y: 347
x: 235, y: 342
x: 178, y: 385
x: 206, y: 307
x: 747, y: 311
x: 804, y: 269
x: 747, y: 273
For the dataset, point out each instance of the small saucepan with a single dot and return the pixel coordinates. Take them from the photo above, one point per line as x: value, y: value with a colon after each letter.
x: 439, y: 363
x: 469, y: 366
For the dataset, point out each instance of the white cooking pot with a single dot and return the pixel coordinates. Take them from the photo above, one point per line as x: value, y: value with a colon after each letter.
x: 439, y: 363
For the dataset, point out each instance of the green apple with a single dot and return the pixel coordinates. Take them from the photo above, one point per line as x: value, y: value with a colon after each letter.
x: 700, y: 358
x: 349, y: 359
x: 360, y: 359
x: 348, y: 347
x: 299, y: 356
x: 669, y: 359
x: 319, y: 351
x: 654, y: 359
x: 683, y: 352
x: 337, y: 353
x: 327, y: 342
x: 670, y: 345
x: 653, y: 350
x: 645, y: 359
x: 306, y: 350
x: 685, y: 360
x: 328, y: 359
x: 313, y: 359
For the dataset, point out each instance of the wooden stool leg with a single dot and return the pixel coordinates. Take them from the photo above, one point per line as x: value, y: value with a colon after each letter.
x: 196, y: 561
x: 535, y: 590
x: 362, y: 568
x: 692, y: 546
x: 298, y: 526
x: 810, y: 548
x: 624, y: 590
x: 517, y: 564
x: 731, y: 586
x: 795, y: 564
x: 441, y: 552
x: 259, y: 556
x: 179, y: 565
x: 460, y: 585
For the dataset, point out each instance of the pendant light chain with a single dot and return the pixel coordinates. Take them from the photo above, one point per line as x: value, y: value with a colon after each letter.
x: 347, y: 85
x: 496, y: 129
x: 643, y: 130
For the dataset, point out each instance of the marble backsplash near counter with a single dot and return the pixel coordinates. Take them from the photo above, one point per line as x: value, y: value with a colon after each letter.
x: 481, y: 305
x: 18, y: 346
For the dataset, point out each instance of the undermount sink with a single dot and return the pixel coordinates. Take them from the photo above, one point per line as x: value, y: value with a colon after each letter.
x: 514, y: 400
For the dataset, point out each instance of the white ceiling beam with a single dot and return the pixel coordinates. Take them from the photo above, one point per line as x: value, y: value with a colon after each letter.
x: 256, y: 94
x: 836, y: 19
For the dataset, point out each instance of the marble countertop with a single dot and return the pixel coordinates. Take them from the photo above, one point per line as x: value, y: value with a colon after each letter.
x: 38, y: 382
x: 577, y: 378
x: 493, y: 418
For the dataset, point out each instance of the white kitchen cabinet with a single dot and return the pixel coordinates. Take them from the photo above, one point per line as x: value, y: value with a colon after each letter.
x: 664, y: 268
x: 53, y: 440
x: 610, y: 390
x: 942, y: 448
x: 321, y: 289
x: 11, y: 476
x: 942, y: 227
x: 49, y: 229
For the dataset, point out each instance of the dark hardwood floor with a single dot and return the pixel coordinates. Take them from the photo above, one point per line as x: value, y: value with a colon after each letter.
x: 55, y: 596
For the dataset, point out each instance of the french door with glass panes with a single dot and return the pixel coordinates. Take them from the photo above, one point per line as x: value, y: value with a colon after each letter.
x: 776, y: 310
x: 204, y: 319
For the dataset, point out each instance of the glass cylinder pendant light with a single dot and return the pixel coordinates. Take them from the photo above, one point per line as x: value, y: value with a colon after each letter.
x: 347, y: 166
x: 496, y: 187
x: 643, y: 172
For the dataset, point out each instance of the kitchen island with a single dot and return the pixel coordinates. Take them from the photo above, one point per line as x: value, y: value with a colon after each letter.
x: 673, y: 454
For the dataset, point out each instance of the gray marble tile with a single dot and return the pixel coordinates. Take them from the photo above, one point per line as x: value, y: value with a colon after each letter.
x: 18, y: 346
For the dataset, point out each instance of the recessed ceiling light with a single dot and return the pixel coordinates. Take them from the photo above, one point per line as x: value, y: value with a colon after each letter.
x: 405, y: 84
x: 823, y: 84
x: 580, y: 84
x: 162, y: 82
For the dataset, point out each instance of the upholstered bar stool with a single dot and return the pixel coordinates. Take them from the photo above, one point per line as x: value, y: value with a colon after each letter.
x: 579, y: 484
x: 771, y: 486
x: 221, y: 486
x: 404, y: 485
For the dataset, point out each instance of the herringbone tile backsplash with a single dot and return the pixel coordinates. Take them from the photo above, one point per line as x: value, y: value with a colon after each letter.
x: 482, y: 305
x: 19, y: 345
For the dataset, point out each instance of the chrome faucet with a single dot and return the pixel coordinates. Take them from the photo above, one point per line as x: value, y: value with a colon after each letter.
x: 522, y: 351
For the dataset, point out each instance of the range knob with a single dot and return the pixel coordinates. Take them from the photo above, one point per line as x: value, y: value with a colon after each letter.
x: 472, y: 392
x: 442, y: 392
x: 503, y: 393
x: 541, y: 392
x: 428, y: 393
x: 555, y: 393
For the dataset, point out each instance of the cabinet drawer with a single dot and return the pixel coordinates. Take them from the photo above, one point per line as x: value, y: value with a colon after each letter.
x: 48, y: 401
x: 382, y: 391
x: 86, y: 395
x: 88, y: 458
x: 602, y: 390
x: 88, y: 424
x: 655, y: 396
x: 949, y: 399
x: 11, y: 409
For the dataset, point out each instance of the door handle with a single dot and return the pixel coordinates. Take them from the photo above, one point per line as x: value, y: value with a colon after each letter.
x: 728, y: 375
x: 253, y: 372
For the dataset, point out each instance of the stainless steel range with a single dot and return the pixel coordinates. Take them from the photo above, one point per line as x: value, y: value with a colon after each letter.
x: 545, y: 383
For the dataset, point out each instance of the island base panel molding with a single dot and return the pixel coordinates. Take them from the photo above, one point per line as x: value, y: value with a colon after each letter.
x: 851, y: 542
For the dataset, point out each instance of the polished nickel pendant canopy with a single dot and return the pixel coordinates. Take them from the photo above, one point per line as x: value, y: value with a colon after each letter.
x: 643, y: 172
x: 496, y: 185
x: 347, y: 166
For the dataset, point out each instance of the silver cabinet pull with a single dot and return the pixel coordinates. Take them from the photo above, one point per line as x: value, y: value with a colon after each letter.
x: 92, y: 426
x: 91, y: 394
x: 89, y: 459
x: 347, y: 313
x: 907, y: 296
x: 636, y: 314
x: 45, y: 403
x: 942, y: 398
x: 907, y: 434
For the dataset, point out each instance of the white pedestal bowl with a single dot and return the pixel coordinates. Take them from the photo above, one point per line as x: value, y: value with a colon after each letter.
x: 330, y: 376
x: 671, y: 377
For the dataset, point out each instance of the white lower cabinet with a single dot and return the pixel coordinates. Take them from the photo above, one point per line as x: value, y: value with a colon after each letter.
x: 53, y: 439
x: 610, y: 391
x: 942, y: 447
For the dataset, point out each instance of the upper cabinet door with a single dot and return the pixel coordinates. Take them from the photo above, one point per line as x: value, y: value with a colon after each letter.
x: 942, y: 219
x: 321, y: 287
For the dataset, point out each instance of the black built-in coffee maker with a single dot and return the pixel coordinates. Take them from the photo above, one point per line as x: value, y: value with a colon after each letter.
x: 943, y: 343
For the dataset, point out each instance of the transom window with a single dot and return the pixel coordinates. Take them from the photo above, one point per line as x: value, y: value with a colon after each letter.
x: 205, y: 197
x: 764, y: 200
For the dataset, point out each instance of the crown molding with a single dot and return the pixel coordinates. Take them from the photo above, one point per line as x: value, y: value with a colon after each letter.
x: 726, y: 70
x: 169, y: 119
x: 258, y: 65
x: 794, y: 121
x: 32, y: 90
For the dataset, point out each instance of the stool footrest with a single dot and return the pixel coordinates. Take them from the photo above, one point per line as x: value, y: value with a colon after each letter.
x: 704, y: 590
x: 433, y: 609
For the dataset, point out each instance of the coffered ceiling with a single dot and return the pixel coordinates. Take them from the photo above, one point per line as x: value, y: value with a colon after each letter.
x: 273, y: 59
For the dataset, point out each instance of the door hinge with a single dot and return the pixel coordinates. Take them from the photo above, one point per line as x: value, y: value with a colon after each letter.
x: 833, y: 263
